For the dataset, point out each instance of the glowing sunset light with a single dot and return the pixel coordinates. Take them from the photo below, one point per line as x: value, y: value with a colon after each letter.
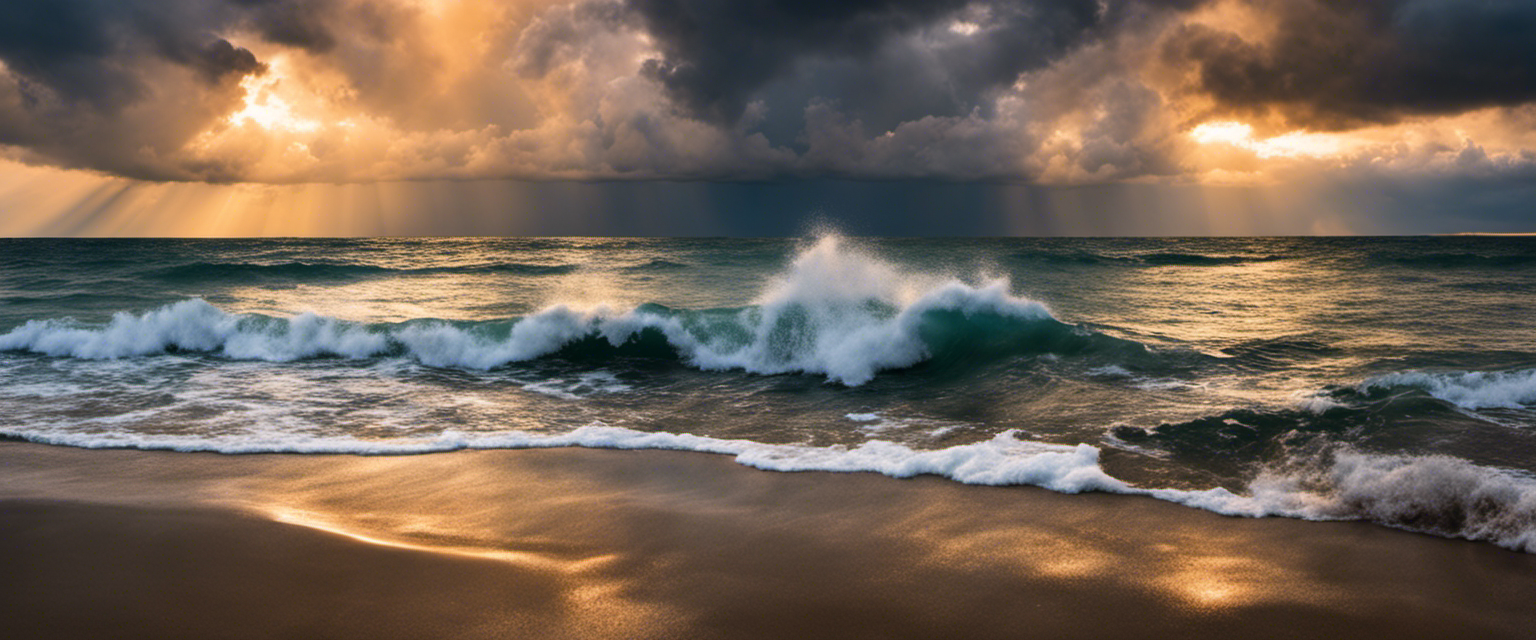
x: 1301, y: 143
x: 964, y: 28
x: 774, y: 319
x: 1295, y: 143
x: 265, y: 107
x: 1053, y: 94
x: 1235, y: 133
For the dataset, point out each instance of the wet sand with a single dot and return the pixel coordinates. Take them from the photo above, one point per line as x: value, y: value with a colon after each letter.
x: 652, y: 544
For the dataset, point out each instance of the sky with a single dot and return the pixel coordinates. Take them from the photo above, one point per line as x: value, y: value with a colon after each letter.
x: 759, y: 117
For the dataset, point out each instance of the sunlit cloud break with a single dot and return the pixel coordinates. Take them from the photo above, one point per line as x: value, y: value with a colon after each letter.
x: 1036, y: 91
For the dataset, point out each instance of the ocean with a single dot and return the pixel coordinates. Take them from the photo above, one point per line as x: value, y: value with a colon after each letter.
x: 1391, y: 380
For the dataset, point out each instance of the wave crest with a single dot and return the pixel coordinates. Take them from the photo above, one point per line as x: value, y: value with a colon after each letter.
x: 835, y: 312
x: 1466, y: 389
x: 195, y: 325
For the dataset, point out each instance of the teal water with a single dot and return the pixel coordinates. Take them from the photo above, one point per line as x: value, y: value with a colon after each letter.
x: 1388, y: 379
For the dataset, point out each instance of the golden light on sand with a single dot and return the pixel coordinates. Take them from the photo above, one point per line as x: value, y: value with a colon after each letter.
x: 320, y: 522
x: 1217, y: 582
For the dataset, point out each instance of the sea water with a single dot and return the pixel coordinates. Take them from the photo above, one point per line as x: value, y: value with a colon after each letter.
x: 1384, y: 379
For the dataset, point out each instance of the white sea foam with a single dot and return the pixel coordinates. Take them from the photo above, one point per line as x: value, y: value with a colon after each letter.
x: 1109, y: 371
x: 584, y: 385
x: 1433, y: 494
x: 831, y: 314
x: 1315, y: 403
x: 1470, y: 389
x: 797, y: 328
x: 195, y: 325
x: 1116, y: 442
x: 873, y: 422
x: 1167, y: 384
x: 1002, y: 460
x: 835, y: 312
x: 878, y: 423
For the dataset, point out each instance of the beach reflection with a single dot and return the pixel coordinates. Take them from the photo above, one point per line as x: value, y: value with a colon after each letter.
x: 1203, y: 570
x: 601, y: 520
x: 669, y: 543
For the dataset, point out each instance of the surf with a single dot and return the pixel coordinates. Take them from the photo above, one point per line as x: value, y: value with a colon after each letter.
x: 835, y: 311
x: 1434, y: 494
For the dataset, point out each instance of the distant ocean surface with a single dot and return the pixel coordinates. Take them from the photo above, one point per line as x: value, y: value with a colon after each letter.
x: 1385, y: 379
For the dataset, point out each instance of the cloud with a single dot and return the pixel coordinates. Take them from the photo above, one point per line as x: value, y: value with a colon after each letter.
x: 1337, y: 65
x: 298, y: 23
x: 884, y: 62
x: 861, y: 89
x: 112, y: 84
x: 1049, y: 91
x: 715, y: 54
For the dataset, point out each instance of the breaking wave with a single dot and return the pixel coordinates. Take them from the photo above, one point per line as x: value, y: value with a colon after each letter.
x: 1434, y: 494
x: 1466, y: 389
x: 835, y: 312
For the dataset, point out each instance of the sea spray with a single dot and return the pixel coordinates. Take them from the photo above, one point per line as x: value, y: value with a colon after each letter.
x: 835, y: 312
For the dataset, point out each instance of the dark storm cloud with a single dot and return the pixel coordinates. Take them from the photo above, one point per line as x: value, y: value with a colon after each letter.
x: 717, y: 55
x: 85, y: 51
x: 1025, y: 90
x: 91, y: 50
x: 217, y: 59
x: 81, y: 69
x: 297, y: 23
x: 1340, y: 64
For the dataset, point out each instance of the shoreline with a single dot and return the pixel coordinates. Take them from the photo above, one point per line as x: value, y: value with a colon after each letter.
x: 602, y: 543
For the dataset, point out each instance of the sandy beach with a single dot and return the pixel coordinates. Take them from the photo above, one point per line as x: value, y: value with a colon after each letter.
x: 711, y: 319
x: 593, y: 543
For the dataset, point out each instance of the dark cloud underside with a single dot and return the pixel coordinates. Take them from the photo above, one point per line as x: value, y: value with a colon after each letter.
x: 717, y: 56
x: 1333, y: 65
x: 1022, y: 90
